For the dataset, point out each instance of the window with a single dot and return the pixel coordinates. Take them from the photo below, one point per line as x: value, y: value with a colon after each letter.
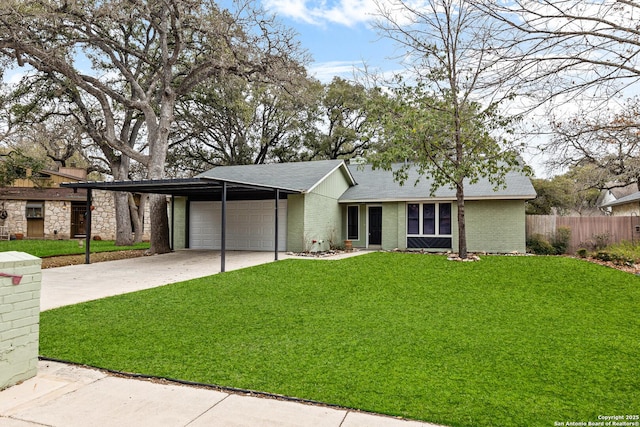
x: 445, y: 218
x: 35, y: 210
x: 413, y: 218
x: 429, y: 219
x: 353, y: 226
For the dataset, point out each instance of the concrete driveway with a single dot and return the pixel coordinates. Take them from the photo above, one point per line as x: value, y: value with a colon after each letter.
x: 78, y: 283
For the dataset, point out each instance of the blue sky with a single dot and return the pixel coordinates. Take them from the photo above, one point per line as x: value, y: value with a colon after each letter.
x: 338, y: 35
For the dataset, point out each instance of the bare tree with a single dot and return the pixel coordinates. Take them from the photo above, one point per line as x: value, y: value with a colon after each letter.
x: 572, y: 46
x: 449, y: 121
x: 608, y: 142
x: 134, y: 59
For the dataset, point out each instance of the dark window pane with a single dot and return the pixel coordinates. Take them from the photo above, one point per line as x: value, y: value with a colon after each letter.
x: 428, y: 218
x: 413, y: 218
x: 352, y: 223
x: 445, y: 218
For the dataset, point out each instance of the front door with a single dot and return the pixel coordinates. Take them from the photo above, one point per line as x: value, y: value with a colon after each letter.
x: 375, y: 225
x: 78, y: 218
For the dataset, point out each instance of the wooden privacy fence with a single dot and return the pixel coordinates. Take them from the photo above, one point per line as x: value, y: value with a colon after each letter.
x: 586, y: 231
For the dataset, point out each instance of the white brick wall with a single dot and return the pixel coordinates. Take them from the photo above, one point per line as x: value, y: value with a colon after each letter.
x: 19, y: 317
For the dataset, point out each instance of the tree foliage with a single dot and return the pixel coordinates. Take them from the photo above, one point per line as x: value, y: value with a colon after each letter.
x: 568, y: 194
x: 232, y: 121
x: 342, y: 118
x: 16, y: 165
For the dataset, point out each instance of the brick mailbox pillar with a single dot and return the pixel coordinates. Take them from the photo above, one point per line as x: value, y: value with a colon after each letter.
x: 20, y: 279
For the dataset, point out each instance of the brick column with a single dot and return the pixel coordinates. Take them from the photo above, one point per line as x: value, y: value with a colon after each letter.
x: 20, y: 279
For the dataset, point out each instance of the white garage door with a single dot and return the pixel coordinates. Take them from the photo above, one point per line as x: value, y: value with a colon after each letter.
x: 250, y: 225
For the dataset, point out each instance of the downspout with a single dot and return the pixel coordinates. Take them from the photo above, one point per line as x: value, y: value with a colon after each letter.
x: 173, y: 221
x: 276, y: 227
x: 223, y: 233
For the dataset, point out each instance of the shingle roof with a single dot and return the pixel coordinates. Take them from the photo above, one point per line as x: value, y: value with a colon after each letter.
x: 29, y: 193
x: 378, y: 186
x: 628, y: 199
x: 300, y: 176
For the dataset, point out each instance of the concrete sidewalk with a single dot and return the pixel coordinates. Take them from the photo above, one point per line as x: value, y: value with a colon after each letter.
x: 63, y: 395
x: 68, y: 396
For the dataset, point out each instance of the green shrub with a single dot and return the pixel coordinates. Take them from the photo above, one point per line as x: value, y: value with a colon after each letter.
x: 624, y: 253
x: 561, y: 240
x: 538, y: 245
x: 603, y: 256
x: 600, y: 241
x: 582, y: 252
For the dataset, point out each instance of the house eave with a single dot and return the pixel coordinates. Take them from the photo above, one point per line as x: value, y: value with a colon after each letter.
x: 434, y: 199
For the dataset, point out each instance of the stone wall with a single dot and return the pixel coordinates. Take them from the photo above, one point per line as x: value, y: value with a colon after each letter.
x: 16, y: 216
x: 57, y: 217
x: 103, y: 217
x: 19, y: 317
x: 57, y: 220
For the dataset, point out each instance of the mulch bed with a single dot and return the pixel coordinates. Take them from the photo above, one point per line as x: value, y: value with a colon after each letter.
x: 64, y: 260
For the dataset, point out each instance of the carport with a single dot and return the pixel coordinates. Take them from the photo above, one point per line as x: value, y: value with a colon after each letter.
x: 198, y: 188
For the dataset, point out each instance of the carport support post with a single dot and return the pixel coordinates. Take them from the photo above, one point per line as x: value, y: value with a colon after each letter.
x: 223, y: 232
x: 173, y: 220
x: 87, y: 230
x: 276, y: 227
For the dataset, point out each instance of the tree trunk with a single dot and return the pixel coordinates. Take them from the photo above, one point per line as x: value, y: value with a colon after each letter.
x: 462, y: 229
x: 123, y: 219
x: 159, y: 224
x: 137, y: 216
x: 120, y: 169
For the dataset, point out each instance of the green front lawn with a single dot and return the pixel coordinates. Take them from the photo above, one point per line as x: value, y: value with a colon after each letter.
x: 507, y: 341
x: 45, y: 248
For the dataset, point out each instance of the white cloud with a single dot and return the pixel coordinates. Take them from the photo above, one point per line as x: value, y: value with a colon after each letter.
x: 344, y: 12
x: 326, y: 71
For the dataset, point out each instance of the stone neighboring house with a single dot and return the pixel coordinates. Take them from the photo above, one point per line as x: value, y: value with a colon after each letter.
x: 624, y: 206
x: 37, y: 207
x: 321, y: 204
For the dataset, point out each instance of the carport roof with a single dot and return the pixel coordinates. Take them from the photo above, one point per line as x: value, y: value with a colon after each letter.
x: 177, y: 187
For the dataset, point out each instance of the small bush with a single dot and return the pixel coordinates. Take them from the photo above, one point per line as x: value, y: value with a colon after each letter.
x: 538, y: 245
x: 603, y: 256
x: 600, y: 241
x: 582, y: 252
x: 561, y: 240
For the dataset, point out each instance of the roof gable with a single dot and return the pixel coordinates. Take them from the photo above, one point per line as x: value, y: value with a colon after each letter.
x: 635, y: 197
x: 377, y: 185
x: 298, y: 176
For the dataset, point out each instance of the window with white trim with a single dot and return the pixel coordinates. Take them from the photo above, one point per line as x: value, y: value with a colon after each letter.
x: 429, y: 219
x: 429, y: 225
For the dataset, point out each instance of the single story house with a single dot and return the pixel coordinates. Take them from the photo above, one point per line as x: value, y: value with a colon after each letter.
x: 315, y: 205
x: 624, y: 206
